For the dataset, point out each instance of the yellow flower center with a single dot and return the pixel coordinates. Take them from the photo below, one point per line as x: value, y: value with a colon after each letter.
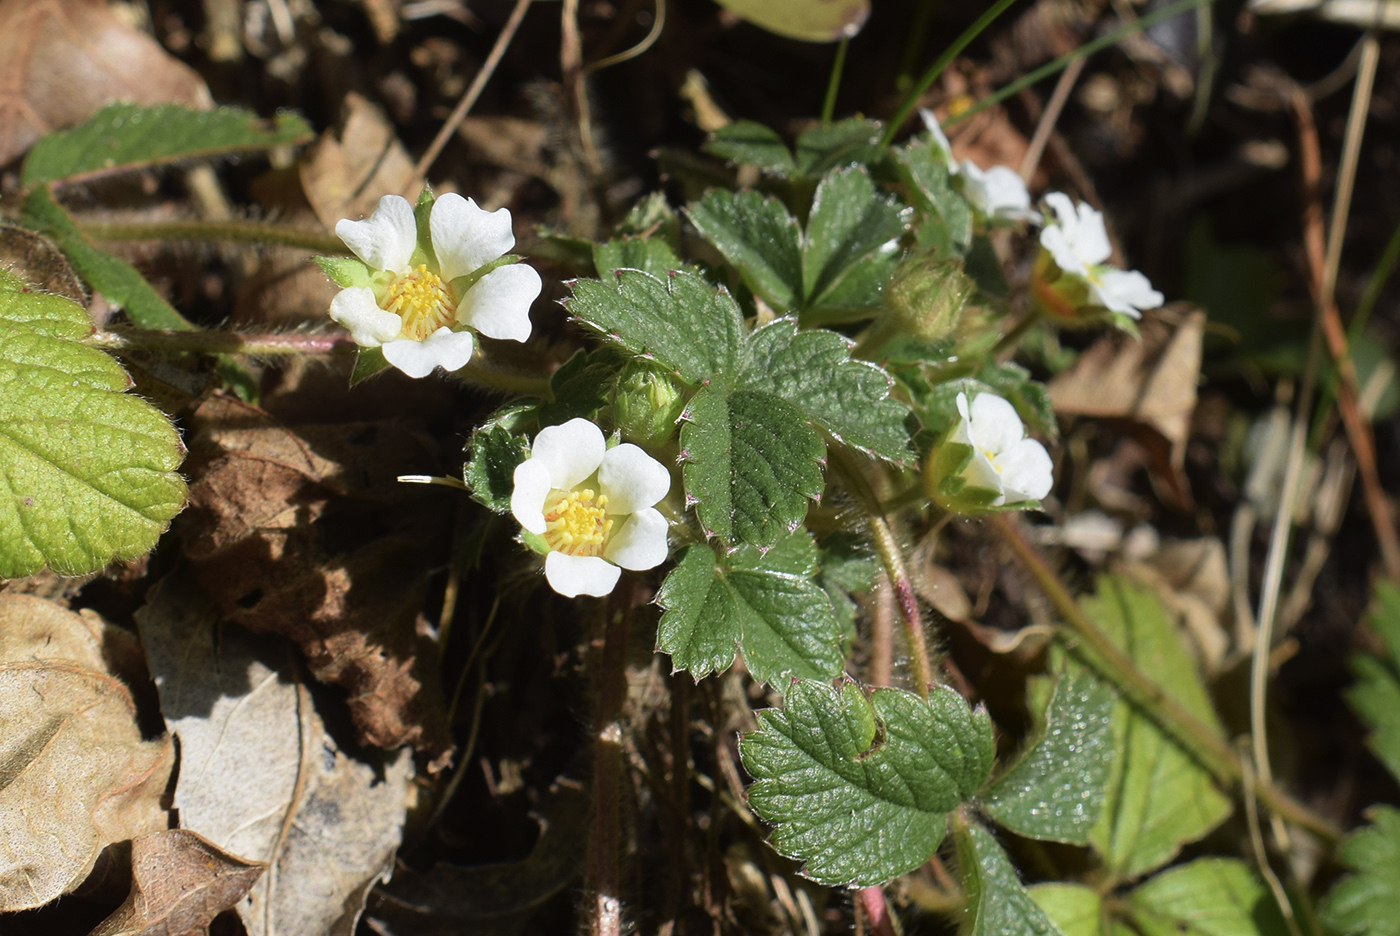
x: 576, y: 523
x: 422, y: 300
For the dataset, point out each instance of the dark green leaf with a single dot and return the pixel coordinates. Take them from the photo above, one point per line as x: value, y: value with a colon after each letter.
x: 945, y: 216
x: 859, y: 788
x: 760, y: 238
x: 851, y: 224
x: 766, y: 604
x: 853, y: 140
x: 128, y: 136
x: 984, y: 267
x: 1367, y: 903
x: 650, y: 255
x: 997, y: 904
x: 682, y: 322
x: 493, y: 456
x: 751, y: 463
x: 752, y: 144
x: 581, y: 387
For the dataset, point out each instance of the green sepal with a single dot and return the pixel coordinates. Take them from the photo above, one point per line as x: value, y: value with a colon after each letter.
x: 368, y: 362
x: 423, y: 251
x: 466, y: 281
x: 345, y: 272
x: 534, y: 542
x: 493, y: 454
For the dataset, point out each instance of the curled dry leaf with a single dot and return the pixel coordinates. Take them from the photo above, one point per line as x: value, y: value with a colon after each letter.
x: 259, y: 775
x: 75, y: 775
x: 61, y: 60
x: 343, y: 178
x: 180, y: 881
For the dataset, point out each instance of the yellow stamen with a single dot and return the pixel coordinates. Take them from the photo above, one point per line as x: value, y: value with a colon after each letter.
x: 576, y: 522
x: 422, y: 300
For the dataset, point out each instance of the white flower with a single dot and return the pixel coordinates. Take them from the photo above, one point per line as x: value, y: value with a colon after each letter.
x: 1003, y: 459
x: 417, y: 307
x: 998, y: 192
x: 1079, y: 245
x: 593, y: 507
x: 940, y: 139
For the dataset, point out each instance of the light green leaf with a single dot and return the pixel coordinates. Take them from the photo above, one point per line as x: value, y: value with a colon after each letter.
x: 759, y: 237
x: 114, y: 278
x: 1077, y: 910
x: 859, y: 788
x: 648, y: 254
x: 851, y: 224
x: 766, y: 604
x: 1367, y: 903
x: 806, y: 20
x: 1208, y: 897
x: 345, y: 272
x: 997, y: 904
x: 492, y: 457
x: 1158, y: 796
x: 128, y: 136
x: 746, y: 143
x: 751, y: 463
x: 849, y: 141
x: 1376, y: 693
x: 813, y: 370
x: 87, y: 472
x: 682, y: 322
x: 1056, y: 789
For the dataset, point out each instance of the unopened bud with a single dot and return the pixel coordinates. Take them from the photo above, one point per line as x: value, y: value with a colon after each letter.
x: 926, y: 296
x: 647, y: 403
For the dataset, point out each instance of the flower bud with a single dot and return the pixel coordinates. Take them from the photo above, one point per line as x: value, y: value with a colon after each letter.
x: 926, y: 296
x: 647, y: 403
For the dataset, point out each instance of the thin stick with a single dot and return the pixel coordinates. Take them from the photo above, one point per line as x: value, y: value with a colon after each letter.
x: 1048, y: 118
x: 1261, y: 854
x: 459, y: 112
x: 604, y: 881
x: 833, y: 83
x: 658, y: 24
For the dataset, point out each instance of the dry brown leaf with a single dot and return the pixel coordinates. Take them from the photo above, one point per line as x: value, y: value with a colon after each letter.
x: 1192, y: 577
x: 256, y: 490
x: 61, y: 60
x: 1150, y: 383
x: 344, y: 178
x: 180, y: 881
x: 75, y: 775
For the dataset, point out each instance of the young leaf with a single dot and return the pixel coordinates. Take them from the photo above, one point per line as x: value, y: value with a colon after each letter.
x: 746, y: 143
x: 760, y: 238
x: 1376, y: 694
x: 1368, y: 902
x: 1158, y: 796
x: 853, y: 140
x: 128, y: 136
x: 946, y: 222
x: 682, y: 322
x: 751, y: 464
x: 851, y: 225
x: 813, y: 370
x: 88, y: 473
x: 859, y: 788
x: 1057, y: 788
x: 493, y: 456
x: 1208, y: 897
x: 766, y: 604
x: 648, y: 254
x: 997, y: 904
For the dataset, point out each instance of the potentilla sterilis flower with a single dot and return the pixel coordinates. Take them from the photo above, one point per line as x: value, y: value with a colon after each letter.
x: 1003, y: 459
x: 998, y: 193
x: 424, y: 292
x: 1078, y: 243
x: 591, y: 506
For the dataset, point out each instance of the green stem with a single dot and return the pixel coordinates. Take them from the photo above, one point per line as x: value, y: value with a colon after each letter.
x: 911, y: 100
x: 1018, y: 331
x: 834, y: 82
x: 1210, y: 751
x: 246, y: 232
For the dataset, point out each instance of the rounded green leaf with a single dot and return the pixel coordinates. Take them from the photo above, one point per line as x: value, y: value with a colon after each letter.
x: 807, y: 20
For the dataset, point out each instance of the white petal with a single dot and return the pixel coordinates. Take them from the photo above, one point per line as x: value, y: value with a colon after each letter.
x: 995, y: 424
x: 979, y: 473
x: 1089, y: 237
x: 1007, y: 196
x: 571, y: 452
x: 369, y: 325
x: 632, y: 479
x: 1052, y: 238
x: 444, y: 348
x: 385, y: 240
x: 940, y: 138
x: 1126, y: 291
x: 1063, y: 207
x: 963, y: 432
x: 572, y: 576
x: 1026, y: 471
x: 498, y: 304
x: 528, y: 495
x: 466, y: 236
x: 640, y: 543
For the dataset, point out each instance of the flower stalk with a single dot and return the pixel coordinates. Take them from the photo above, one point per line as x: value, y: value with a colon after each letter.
x: 241, y: 232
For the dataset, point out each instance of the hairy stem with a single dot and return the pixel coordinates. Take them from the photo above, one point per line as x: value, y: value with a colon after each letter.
x: 245, y: 232
x: 604, y: 883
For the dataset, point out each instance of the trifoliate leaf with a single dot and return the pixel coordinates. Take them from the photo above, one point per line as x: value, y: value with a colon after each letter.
x: 997, y: 904
x: 1056, y: 789
x: 1158, y: 796
x: 129, y: 136
x: 1367, y: 903
x: 648, y: 254
x: 493, y: 456
x: 87, y: 472
x: 813, y: 370
x: 1208, y: 897
x: 760, y: 238
x: 1376, y: 694
x: 859, y: 788
x: 766, y: 604
x: 746, y: 143
x: 849, y: 141
x: 751, y: 464
x: 945, y: 217
x: 682, y: 322
x: 851, y: 225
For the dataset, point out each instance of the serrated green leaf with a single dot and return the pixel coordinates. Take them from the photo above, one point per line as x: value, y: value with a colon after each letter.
x: 751, y: 464
x: 1158, y: 796
x: 997, y: 904
x: 129, y: 136
x: 682, y: 322
x: 114, y: 278
x: 493, y: 456
x: 766, y: 604
x: 851, y: 224
x: 1208, y: 897
x: 650, y: 255
x: 582, y: 386
x: 759, y: 237
x: 747, y: 143
x: 1056, y: 790
x: 87, y: 472
x: 813, y: 370
x: 1367, y: 903
x: 853, y: 140
x: 859, y: 788
x: 1077, y: 910
x: 945, y: 216
x: 1376, y: 694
